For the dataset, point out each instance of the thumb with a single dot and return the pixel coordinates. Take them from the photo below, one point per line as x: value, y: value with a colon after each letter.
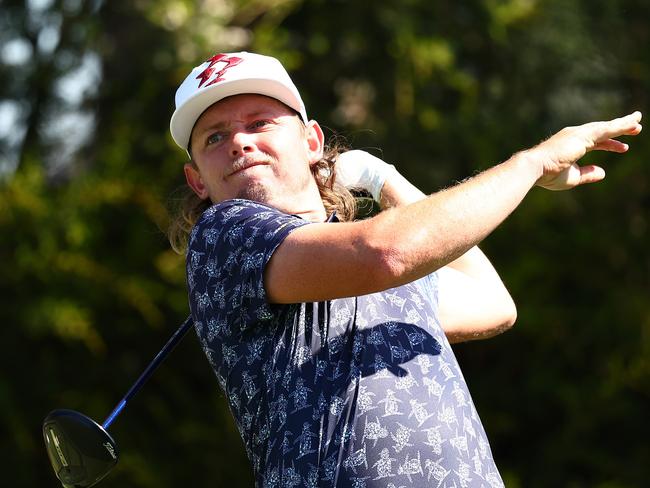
x: 591, y: 174
x: 573, y: 176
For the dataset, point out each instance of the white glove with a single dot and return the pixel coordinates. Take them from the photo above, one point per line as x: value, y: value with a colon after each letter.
x: 359, y: 169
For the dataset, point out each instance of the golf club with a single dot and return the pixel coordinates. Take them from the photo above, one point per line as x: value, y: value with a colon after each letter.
x: 81, y: 451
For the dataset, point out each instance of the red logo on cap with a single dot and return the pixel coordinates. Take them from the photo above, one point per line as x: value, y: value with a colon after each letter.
x: 208, y: 72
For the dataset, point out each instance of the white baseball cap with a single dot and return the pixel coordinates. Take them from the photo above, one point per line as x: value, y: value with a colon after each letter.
x: 225, y: 75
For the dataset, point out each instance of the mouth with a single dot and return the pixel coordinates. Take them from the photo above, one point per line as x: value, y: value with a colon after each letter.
x: 238, y: 168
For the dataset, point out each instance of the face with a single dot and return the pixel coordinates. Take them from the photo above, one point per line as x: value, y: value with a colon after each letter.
x: 254, y: 147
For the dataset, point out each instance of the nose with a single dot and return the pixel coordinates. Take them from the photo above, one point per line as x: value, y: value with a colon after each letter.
x: 242, y: 143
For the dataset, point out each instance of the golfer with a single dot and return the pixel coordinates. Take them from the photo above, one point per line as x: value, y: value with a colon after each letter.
x: 330, y: 337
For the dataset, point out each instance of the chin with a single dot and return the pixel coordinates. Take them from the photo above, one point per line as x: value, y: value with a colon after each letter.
x: 256, y: 193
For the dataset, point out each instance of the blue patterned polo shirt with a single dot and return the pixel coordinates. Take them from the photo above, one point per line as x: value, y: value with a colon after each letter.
x: 355, y: 392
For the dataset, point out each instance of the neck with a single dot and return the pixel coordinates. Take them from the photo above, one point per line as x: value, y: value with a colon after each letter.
x: 306, y: 204
x: 313, y: 215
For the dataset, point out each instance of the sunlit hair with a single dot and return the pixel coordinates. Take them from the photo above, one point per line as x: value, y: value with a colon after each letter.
x: 335, y: 197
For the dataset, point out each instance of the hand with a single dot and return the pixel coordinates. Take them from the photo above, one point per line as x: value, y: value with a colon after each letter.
x: 560, y: 153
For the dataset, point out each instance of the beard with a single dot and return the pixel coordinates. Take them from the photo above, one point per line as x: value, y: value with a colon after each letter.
x: 256, y: 192
x: 260, y: 192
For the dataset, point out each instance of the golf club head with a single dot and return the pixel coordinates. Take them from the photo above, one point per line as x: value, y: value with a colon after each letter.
x: 80, y: 450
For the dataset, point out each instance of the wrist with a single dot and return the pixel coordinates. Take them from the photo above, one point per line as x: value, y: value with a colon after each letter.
x: 531, y: 161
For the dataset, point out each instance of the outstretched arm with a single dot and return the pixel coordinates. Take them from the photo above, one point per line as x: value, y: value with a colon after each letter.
x: 473, y: 301
x: 322, y: 261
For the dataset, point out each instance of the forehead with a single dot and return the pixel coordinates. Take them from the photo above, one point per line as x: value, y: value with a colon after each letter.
x: 239, y: 107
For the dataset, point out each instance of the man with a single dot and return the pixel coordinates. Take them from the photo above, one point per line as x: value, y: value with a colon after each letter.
x: 326, y: 334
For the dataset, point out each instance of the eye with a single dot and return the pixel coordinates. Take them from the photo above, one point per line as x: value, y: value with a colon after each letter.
x: 258, y: 124
x: 215, y: 138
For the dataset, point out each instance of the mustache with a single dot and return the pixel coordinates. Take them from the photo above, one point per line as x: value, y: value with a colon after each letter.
x: 243, y: 162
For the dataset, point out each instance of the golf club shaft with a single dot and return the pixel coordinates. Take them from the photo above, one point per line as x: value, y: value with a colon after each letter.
x: 171, y: 343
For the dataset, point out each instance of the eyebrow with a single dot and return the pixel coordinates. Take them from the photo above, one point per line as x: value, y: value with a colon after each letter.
x: 223, y: 124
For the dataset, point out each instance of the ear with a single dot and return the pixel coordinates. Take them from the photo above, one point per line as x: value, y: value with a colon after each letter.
x: 315, y: 141
x: 195, y: 181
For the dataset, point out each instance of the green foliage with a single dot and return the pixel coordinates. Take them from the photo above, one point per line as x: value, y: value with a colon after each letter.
x: 442, y: 89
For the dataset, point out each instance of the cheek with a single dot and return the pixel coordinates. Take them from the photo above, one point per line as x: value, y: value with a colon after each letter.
x: 212, y: 180
x: 299, y: 153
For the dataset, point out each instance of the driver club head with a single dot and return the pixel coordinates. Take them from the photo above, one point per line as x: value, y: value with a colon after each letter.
x: 80, y: 450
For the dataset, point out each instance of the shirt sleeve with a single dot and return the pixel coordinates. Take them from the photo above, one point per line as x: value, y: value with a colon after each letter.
x: 429, y: 286
x: 227, y: 253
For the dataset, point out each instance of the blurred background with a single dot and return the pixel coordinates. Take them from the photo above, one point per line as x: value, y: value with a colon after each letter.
x: 90, y: 289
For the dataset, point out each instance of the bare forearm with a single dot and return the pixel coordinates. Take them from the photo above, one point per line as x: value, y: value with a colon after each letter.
x: 433, y: 232
x: 475, y: 263
x: 473, y: 301
x: 398, y: 191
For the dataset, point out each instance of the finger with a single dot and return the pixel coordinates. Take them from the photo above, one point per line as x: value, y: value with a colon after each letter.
x: 633, y: 118
x: 611, y: 145
x: 634, y: 130
x: 591, y: 174
x: 628, y: 125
